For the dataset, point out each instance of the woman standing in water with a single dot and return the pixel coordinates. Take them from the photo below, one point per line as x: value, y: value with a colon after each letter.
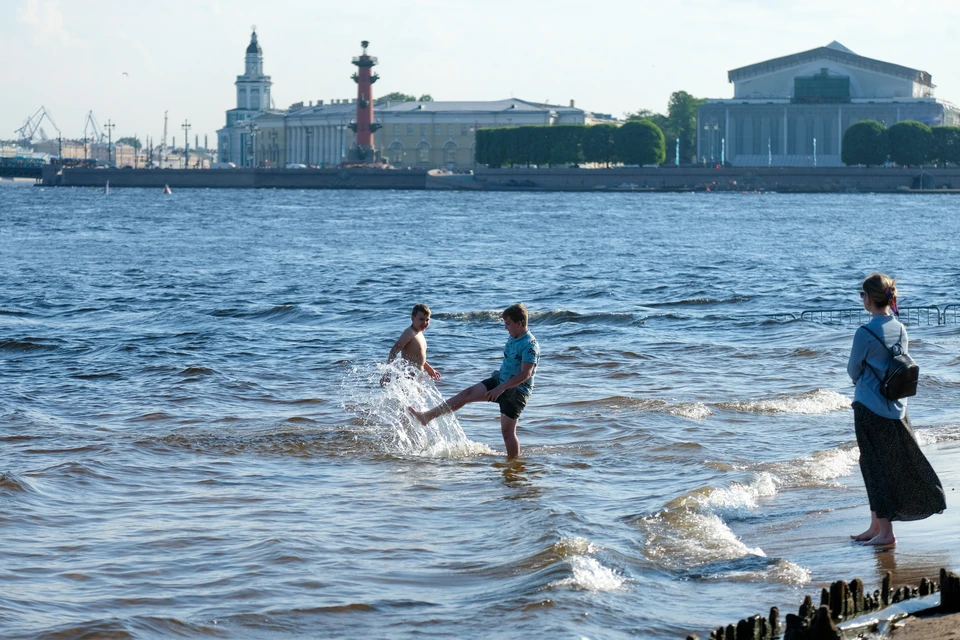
x: 901, y: 484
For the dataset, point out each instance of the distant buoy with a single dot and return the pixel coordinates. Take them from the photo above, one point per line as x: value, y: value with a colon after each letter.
x: 166, y: 189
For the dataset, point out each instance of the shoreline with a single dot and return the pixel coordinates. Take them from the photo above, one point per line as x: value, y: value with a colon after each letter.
x: 924, y: 547
x: 743, y: 180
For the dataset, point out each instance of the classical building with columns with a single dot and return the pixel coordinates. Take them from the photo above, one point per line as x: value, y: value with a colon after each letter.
x: 794, y: 110
x: 408, y: 134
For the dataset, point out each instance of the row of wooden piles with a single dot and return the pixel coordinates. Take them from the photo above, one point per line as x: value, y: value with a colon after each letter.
x: 840, y: 602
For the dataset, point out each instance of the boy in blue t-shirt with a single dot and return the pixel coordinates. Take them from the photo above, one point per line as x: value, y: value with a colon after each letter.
x: 510, y: 387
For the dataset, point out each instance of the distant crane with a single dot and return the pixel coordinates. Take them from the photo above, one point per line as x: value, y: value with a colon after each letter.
x: 30, y: 128
x: 92, y: 126
x: 163, y: 144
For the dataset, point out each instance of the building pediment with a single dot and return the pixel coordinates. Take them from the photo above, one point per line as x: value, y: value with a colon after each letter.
x: 835, y: 55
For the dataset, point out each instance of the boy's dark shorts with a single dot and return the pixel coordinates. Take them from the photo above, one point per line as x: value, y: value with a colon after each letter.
x: 511, y: 401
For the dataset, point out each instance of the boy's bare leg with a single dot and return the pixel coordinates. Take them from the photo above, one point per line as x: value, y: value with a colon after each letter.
x: 476, y: 393
x: 508, y: 428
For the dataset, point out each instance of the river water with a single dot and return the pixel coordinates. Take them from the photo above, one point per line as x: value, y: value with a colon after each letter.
x: 193, y: 439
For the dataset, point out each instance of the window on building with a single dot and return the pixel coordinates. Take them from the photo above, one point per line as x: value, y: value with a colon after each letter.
x: 451, y: 130
x: 396, y: 130
x: 450, y: 154
x: 409, y: 129
x: 464, y: 129
x: 437, y: 130
x: 423, y: 152
x: 396, y: 154
x: 423, y: 130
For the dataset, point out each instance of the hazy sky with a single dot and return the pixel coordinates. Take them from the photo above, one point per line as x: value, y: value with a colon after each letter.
x: 612, y: 57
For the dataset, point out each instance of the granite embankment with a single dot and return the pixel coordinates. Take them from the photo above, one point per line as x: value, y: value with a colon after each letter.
x: 638, y: 179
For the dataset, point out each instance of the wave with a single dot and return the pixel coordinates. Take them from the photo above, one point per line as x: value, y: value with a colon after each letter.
x: 691, y: 410
x: 687, y: 302
x: 809, y: 402
x: 14, y: 483
x: 286, y: 312
x: 586, y: 572
x: 26, y: 345
x: 551, y: 317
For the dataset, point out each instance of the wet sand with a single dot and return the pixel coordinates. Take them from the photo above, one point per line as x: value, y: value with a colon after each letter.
x: 941, y: 627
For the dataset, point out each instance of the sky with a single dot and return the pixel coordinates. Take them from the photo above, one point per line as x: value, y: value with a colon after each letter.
x: 131, y: 61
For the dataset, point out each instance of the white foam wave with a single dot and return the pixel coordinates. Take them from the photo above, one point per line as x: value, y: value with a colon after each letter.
x: 687, y: 538
x: 934, y: 435
x: 692, y: 410
x: 587, y: 573
x: 383, y: 410
x: 738, y: 498
x: 818, y: 469
x: 811, y: 402
x: 778, y: 571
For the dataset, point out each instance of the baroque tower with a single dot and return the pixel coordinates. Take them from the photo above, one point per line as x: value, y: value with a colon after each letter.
x: 253, y: 88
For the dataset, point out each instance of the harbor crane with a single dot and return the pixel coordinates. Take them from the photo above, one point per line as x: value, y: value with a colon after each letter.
x: 31, y: 127
x: 93, y: 127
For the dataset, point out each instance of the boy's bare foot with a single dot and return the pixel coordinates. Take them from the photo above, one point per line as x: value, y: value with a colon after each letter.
x: 866, y: 535
x: 418, y: 415
x: 881, y: 541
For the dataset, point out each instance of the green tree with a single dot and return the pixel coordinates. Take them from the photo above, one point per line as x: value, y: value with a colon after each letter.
x: 397, y: 96
x: 865, y: 142
x: 425, y: 98
x: 945, y: 148
x: 599, y: 143
x: 130, y: 140
x: 682, y: 116
x: 640, y: 142
x: 910, y: 142
x: 566, y: 143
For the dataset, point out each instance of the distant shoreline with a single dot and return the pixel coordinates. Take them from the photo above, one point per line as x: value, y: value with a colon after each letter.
x: 619, y: 179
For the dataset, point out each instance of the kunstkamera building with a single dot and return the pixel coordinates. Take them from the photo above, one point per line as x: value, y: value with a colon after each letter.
x: 793, y: 111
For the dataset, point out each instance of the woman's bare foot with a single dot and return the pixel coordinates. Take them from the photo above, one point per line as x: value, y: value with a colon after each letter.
x: 881, y: 540
x: 418, y: 415
x: 869, y: 534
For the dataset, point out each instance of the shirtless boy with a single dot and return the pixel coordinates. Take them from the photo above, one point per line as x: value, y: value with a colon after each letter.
x: 510, y: 387
x: 411, y: 345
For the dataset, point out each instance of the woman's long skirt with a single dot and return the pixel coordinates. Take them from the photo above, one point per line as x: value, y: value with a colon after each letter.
x: 901, y: 484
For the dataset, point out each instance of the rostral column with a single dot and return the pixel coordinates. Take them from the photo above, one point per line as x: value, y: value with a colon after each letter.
x: 363, y: 150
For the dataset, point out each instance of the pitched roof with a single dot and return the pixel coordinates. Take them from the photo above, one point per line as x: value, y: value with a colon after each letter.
x: 836, y: 52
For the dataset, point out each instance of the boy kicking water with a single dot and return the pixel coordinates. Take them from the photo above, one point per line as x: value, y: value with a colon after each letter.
x: 510, y: 387
x: 411, y: 344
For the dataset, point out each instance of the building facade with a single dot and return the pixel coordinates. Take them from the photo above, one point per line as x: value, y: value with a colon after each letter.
x: 408, y: 134
x: 794, y: 110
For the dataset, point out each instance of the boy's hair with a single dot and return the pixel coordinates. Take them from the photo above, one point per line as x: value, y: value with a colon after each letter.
x: 420, y: 308
x: 517, y: 313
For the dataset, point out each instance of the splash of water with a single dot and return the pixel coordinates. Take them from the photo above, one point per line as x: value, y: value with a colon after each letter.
x: 379, y: 394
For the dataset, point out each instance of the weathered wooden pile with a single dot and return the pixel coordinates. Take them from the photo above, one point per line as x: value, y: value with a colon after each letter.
x: 841, y: 601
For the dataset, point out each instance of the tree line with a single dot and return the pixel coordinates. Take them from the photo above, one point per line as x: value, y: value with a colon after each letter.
x: 635, y: 142
x: 906, y: 143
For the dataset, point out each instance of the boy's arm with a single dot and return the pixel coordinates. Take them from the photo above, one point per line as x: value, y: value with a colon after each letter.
x: 401, y: 342
x: 526, y: 370
x: 433, y: 373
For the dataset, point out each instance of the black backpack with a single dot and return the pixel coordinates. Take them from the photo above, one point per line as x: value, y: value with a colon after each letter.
x: 900, y: 380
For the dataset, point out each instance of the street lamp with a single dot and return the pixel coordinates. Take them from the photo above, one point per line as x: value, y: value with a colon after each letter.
x: 109, y: 127
x: 186, y: 143
x: 711, y: 128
